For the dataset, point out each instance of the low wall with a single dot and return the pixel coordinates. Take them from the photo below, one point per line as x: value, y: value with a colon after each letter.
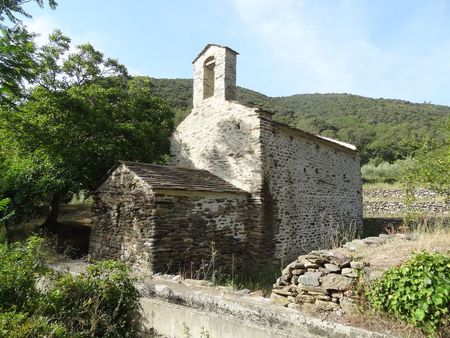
x: 385, y: 202
x: 325, y: 280
x: 179, y: 310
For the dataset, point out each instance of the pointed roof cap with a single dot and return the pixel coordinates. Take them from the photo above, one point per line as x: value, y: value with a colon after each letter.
x: 211, y: 45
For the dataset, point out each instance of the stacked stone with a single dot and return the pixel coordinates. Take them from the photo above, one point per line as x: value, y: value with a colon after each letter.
x: 321, y: 279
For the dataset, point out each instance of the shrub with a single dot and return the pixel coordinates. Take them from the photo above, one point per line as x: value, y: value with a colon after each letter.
x: 102, y: 302
x: 384, y: 172
x: 18, y: 325
x: 21, y: 266
x: 418, y: 291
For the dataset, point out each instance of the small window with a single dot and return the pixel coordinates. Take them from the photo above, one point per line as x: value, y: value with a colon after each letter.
x: 208, y: 77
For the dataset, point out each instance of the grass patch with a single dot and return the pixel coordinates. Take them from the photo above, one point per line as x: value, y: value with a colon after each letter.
x: 252, y: 280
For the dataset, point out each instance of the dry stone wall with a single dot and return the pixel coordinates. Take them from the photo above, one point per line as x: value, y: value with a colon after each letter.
x: 315, y: 189
x: 386, y: 202
x: 325, y: 280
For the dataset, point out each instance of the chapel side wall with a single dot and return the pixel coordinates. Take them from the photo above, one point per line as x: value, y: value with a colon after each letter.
x: 313, y: 189
x: 196, y: 230
x: 123, y: 220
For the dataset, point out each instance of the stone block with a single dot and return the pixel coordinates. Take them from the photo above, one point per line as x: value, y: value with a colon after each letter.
x: 336, y: 282
x: 332, y: 268
x: 349, y: 272
x: 310, y: 278
x: 312, y: 289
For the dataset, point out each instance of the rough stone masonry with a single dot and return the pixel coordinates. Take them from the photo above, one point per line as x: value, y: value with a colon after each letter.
x: 267, y: 191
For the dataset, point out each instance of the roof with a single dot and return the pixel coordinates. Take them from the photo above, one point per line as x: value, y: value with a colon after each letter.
x: 210, y: 45
x: 176, y: 178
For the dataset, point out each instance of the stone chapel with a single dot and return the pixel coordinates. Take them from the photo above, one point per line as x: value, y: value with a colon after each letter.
x: 241, y: 187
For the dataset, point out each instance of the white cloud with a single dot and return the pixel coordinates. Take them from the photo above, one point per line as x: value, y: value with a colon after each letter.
x: 42, y: 26
x: 336, y: 46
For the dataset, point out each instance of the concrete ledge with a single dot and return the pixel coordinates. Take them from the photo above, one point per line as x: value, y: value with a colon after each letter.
x: 173, y: 308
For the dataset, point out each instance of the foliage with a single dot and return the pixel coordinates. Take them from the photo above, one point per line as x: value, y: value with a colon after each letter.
x: 102, y: 302
x: 384, y: 172
x: 10, y: 9
x: 21, y: 266
x: 384, y: 130
x: 18, y: 325
x: 417, y: 291
x: 76, y: 125
x: 18, y: 64
x: 430, y: 168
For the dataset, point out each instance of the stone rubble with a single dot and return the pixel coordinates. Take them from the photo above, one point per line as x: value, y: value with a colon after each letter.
x: 325, y: 280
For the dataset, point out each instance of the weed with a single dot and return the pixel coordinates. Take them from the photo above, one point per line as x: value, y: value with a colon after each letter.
x: 417, y: 292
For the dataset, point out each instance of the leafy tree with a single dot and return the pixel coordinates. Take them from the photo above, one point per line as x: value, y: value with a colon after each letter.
x: 10, y: 9
x: 17, y: 64
x: 17, y: 58
x: 431, y: 169
x: 76, y: 124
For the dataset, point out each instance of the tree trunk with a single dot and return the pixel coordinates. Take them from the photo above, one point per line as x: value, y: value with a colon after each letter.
x: 52, y: 217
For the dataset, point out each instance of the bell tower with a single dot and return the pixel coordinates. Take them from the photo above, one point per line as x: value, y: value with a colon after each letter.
x: 214, y: 74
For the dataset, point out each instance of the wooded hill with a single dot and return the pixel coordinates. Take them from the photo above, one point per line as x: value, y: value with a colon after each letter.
x: 382, y: 129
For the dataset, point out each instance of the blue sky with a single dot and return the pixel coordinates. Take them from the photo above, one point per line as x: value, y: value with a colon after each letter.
x: 383, y: 48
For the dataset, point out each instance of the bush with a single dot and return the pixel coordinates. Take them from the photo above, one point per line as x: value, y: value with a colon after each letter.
x: 417, y: 292
x: 102, y: 302
x: 384, y: 172
x: 20, y: 268
x: 18, y: 325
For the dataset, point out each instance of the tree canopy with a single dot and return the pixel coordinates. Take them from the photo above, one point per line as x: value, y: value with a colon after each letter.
x: 83, y: 116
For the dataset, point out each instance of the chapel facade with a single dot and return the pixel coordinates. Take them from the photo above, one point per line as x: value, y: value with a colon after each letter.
x: 241, y: 187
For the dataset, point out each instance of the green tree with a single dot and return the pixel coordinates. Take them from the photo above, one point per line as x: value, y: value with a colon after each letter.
x: 84, y: 115
x: 17, y: 50
x: 10, y: 9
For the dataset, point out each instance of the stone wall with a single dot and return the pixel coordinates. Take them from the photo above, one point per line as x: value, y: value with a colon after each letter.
x: 169, y: 231
x: 385, y: 202
x: 223, y: 138
x: 194, y: 231
x: 326, y: 280
x: 314, y: 186
x: 223, y: 71
x: 122, y: 227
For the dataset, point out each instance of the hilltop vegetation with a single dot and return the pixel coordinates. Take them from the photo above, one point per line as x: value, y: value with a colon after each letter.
x: 384, y: 130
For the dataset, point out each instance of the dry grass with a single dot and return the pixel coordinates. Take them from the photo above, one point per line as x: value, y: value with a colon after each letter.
x: 400, y: 249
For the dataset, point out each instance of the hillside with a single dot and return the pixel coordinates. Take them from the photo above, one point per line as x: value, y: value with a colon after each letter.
x: 382, y: 129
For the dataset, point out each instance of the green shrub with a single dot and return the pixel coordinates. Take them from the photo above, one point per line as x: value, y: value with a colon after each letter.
x: 384, y: 172
x: 102, y: 302
x: 418, y: 291
x: 20, y: 268
x: 19, y: 325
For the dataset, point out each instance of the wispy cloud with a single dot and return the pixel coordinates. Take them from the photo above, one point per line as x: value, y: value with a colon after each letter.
x: 42, y: 26
x: 349, y: 46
